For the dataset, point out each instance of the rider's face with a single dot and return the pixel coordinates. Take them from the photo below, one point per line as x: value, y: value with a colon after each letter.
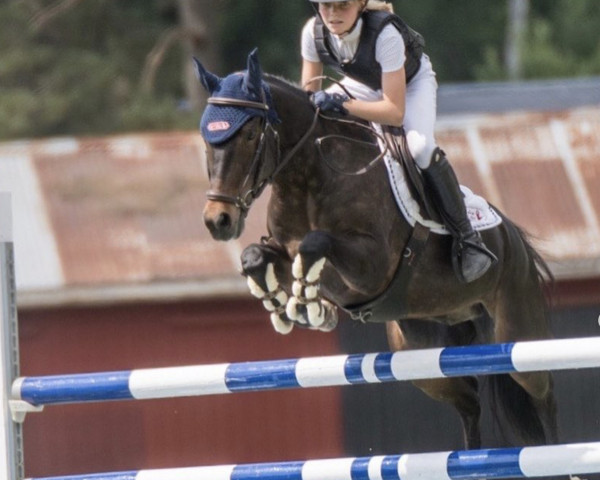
x: 340, y: 16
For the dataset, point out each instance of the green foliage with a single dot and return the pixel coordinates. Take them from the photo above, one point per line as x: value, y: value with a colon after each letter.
x: 562, y: 41
x: 80, y: 72
x: 458, y: 33
x: 273, y: 26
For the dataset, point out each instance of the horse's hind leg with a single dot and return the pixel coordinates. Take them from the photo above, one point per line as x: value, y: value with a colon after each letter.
x: 520, y: 315
x: 460, y: 392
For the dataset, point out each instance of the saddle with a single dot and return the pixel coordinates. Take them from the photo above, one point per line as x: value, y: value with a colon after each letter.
x: 395, y: 138
x: 390, y: 305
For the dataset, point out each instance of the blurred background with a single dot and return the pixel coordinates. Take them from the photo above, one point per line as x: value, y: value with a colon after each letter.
x: 99, y: 146
x: 104, y: 66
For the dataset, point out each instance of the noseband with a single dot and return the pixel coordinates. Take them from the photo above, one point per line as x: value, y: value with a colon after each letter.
x: 243, y: 201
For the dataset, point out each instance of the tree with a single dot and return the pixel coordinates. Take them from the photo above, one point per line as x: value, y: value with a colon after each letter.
x: 74, y: 67
x: 560, y: 40
x: 99, y: 66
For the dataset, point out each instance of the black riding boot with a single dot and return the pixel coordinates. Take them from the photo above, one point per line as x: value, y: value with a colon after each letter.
x: 470, y: 257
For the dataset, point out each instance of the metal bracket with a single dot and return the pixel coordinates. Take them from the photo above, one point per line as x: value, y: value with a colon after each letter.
x: 20, y: 408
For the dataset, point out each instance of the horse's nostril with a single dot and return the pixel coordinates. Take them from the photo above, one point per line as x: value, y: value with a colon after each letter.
x: 223, y: 221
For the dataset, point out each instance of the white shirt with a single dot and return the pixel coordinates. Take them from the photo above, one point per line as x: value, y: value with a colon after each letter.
x: 389, y: 48
x: 420, y: 111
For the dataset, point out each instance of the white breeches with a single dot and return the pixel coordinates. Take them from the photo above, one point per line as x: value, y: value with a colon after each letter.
x: 421, y: 106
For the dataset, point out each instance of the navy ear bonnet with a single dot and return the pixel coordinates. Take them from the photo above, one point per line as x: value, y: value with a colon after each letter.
x: 220, y: 122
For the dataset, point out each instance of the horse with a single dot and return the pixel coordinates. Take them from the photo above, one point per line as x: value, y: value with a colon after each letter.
x: 336, y: 240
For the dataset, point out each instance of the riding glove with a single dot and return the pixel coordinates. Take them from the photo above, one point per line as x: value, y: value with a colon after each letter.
x: 330, y: 102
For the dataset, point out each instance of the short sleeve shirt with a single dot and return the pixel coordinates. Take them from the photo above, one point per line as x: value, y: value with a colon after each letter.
x: 389, y: 49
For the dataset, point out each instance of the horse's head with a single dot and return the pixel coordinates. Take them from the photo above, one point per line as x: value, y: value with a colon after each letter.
x: 237, y: 129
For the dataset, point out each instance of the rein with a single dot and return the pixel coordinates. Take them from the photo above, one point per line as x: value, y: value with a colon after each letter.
x: 319, y: 141
x: 360, y: 171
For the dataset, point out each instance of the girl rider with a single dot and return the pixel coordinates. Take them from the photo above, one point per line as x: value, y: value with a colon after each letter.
x: 394, y: 84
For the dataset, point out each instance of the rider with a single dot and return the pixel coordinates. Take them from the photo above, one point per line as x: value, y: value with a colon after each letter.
x: 393, y: 83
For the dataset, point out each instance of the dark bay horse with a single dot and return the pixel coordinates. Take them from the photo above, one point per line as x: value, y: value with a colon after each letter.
x: 337, y: 240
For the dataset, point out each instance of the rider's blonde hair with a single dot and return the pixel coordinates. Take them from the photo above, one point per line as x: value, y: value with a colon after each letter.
x: 379, y: 5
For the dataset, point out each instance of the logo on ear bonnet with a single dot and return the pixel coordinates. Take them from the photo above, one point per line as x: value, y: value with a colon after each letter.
x: 218, y: 126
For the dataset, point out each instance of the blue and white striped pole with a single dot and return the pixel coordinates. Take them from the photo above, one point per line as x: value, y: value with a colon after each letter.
x: 310, y: 372
x: 524, y: 462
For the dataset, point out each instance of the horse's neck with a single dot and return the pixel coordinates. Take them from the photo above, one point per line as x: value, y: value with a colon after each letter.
x: 295, y: 130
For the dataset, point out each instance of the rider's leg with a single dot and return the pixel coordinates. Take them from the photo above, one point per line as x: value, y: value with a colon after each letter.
x: 470, y: 256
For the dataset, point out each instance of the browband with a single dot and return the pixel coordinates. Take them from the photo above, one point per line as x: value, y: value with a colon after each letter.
x: 238, y: 103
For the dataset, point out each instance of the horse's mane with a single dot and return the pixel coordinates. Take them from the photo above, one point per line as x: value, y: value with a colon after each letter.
x: 293, y: 91
x: 277, y: 81
x: 289, y: 89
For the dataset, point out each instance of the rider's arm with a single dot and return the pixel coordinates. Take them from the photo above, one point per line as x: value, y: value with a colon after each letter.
x: 390, y: 109
x: 311, y: 70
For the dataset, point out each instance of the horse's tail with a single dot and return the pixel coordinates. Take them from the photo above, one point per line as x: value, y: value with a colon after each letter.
x: 510, y: 403
x: 545, y: 277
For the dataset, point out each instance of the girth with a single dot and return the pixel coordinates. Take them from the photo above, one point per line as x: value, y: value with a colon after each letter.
x: 391, y: 304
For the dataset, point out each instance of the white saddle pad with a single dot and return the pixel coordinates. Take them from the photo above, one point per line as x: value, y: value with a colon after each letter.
x: 481, y: 214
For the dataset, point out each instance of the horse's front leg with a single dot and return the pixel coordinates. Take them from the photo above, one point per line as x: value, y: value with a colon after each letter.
x: 262, y: 265
x: 356, y: 264
x: 306, y: 302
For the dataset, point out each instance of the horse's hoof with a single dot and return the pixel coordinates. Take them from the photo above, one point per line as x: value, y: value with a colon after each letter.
x: 316, y: 314
x: 280, y: 325
x: 296, y: 311
x: 331, y: 317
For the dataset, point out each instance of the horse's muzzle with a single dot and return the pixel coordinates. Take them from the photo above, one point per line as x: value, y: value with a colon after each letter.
x: 223, y: 221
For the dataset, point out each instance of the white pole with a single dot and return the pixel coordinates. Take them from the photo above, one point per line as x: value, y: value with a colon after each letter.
x: 11, y: 445
x: 515, y: 37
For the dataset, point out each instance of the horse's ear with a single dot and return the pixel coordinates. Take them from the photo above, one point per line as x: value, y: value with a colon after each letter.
x: 253, y: 77
x: 209, y: 81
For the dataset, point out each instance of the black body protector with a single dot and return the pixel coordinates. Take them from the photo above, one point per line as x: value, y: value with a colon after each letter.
x: 364, y: 67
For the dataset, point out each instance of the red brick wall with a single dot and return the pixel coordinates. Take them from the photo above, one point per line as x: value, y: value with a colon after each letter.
x: 130, y: 435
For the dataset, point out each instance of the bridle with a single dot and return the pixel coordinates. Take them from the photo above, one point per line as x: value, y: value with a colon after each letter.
x: 244, y: 200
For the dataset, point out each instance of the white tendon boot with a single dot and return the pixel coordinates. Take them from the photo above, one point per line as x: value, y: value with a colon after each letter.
x: 275, y: 300
x: 320, y: 313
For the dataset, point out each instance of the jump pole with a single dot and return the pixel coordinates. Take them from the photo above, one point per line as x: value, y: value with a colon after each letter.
x: 526, y: 462
x: 11, y: 444
x: 308, y: 372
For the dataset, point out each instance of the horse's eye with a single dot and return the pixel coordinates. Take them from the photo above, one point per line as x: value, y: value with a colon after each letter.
x: 252, y: 134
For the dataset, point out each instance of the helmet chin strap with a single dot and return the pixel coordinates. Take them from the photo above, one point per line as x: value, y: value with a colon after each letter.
x: 363, y: 8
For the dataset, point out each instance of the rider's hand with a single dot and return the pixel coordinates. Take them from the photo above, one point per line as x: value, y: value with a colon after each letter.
x: 330, y: 102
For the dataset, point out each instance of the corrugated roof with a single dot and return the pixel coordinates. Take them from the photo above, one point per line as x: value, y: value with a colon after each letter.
x: 120, y: 217
x: 531, y: 95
